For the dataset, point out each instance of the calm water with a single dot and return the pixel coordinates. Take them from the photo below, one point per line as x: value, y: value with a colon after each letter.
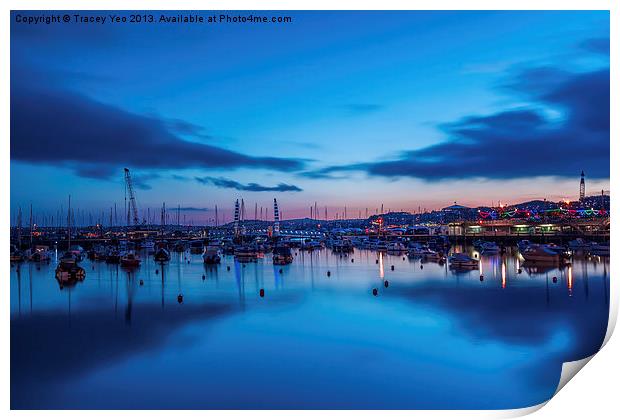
x: 432, y: 339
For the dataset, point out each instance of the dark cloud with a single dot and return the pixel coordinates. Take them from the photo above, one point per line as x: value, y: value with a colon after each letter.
x: 516, y: 143
x: 187, y: 128
x: 97, y: 140
x: 229, y: 183
x: 139, y: 180
x: 596, y: 45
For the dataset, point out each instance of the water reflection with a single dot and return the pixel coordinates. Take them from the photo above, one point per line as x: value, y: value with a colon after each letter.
x: 312, y: 341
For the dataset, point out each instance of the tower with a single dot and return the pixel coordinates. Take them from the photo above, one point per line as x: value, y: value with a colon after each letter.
x: 236, y: 219
x: 582, y: 187
x: 276, y: 218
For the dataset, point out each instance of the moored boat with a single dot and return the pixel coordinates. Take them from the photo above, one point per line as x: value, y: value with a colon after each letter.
x: 211, y: 255
x: 430, y: 255
x: 578, y: 244
x: 599, y: 250
x: 161, y: 255
x: 68, y: 272
x: 77, y: 251
x: 40, y: 253
x: 112, y: 256
x: 343, y: 246
x: 246, y: 254
x: 541, y: 254
x: 489, y: 248
x: 396, y: 247
x: 282, y: 255
x: 129, y: 260
x: 460, y: 260
x: 196, y: 247
x: 16, y: 254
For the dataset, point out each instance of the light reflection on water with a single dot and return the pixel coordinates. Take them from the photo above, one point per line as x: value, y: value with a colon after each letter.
x: 433, y: 338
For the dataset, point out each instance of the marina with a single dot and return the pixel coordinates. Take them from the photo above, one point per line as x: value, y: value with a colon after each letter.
x: 501, y: 297
x: 320, y: 321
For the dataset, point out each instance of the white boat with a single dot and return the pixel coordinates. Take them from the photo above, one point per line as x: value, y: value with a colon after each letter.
x: 310, y: 245
x: 489, y: 248
x: 541, y: 253
x: 40, y: 253
x: 416, y: 249
x: 460, y: 260
x: 381, y: 246
x: 430, y: 255
x: 396, y: 247
x: 524, y: 244
x: 579, y: 244
x: 599, y: 250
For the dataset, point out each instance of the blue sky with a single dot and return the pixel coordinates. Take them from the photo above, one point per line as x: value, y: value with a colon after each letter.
x: 409, y: 109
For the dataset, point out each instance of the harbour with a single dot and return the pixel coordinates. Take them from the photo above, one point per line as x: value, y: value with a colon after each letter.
x: 306, y: 210
x: 252, y: 327
x: 253, y: 304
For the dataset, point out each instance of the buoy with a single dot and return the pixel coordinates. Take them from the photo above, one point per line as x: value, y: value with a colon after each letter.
x: 421, y: 267
x: 481, y: 277
x: 203, y: 276
x: 403, y: 258
x: 188, y: 261
x: 519, y: 271
x: 555, y: 279
x: 228, y: 267
x: 93, y: 267
x: 375, y: 291
x: 329, y: 273
x: 295, y: 253
x: 376, y: 261
x: 280, y: 271
x: 352, y: 260
x: 156, y: 271
x: 180, y: 298
x: 386, y: 283
x: 141, y: 282
x: 392, y: 268
x: 262, y: 292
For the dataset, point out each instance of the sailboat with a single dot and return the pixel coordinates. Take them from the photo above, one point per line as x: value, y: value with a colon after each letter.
x: 68, y: 272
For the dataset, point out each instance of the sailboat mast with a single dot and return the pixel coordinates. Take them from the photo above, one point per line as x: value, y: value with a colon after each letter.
x: 69, y: 222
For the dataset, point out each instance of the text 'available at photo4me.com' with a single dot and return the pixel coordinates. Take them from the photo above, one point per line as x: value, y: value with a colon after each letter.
x: 195, y: 18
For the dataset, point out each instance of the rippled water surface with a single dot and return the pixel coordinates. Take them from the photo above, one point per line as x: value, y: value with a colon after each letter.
x: 432, y: 338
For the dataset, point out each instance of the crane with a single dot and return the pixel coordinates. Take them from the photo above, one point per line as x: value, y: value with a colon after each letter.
x: 132, y: 210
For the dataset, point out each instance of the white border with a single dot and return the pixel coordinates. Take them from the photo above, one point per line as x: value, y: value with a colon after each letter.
x: 595, y: 393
